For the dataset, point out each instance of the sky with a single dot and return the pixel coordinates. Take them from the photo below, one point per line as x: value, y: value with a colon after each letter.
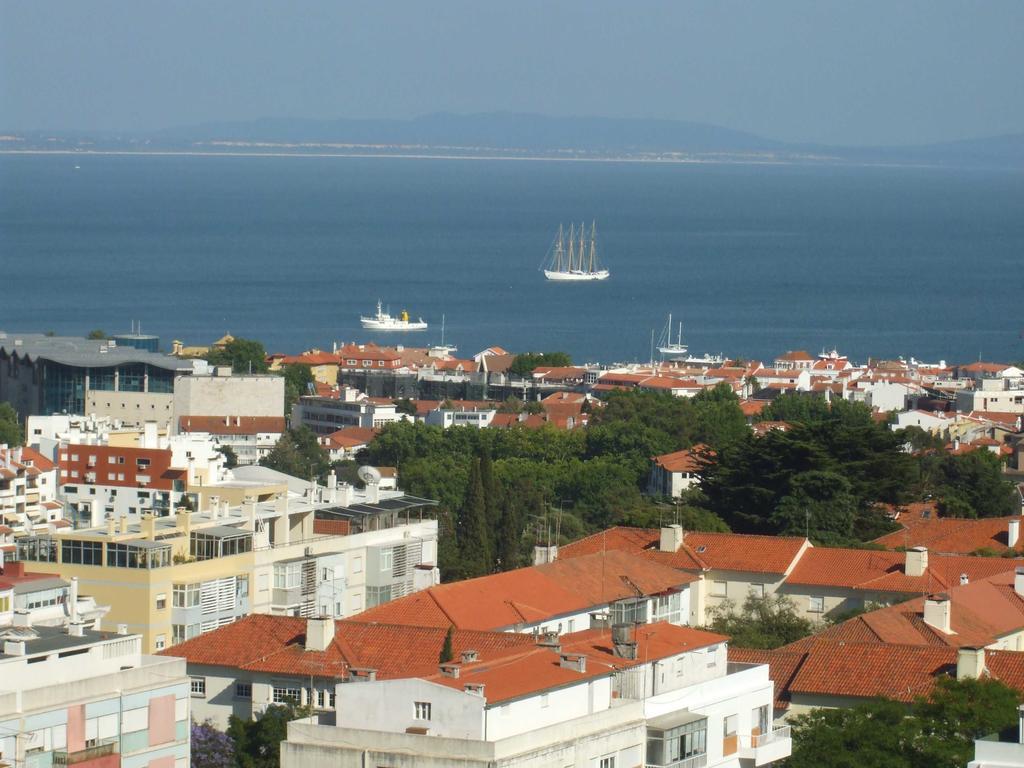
x: 835, y: 72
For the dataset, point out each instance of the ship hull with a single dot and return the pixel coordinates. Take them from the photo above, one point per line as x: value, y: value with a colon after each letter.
x: 372, y: 324
x: 576, y: 276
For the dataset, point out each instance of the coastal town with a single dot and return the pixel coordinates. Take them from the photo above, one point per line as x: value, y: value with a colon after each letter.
x: 397, y: 555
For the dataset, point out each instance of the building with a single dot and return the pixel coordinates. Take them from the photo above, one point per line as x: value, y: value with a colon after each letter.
x: 561, y: 596
x: 261, y: 660
x: 921, y: 526
x: 673, y: 473
x: 334, y: 550
x: 250, y: 438
x: 325, y: 415
x: 42, y: 599
x: 65, y: 374
x: 28, y: 491
x: 1001, y: 750
x: 460, y: 417
x: 75, y: 696
x: 219, y: 392
x: 656, y: 695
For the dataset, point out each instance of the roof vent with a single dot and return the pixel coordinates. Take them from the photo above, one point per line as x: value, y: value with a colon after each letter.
x: 469, y: 656
x: 574, y: 661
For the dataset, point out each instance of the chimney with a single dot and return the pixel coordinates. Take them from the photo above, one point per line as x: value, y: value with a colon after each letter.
x: 937, y: 612
x: 319, y: 633
x: 477, y: 689
x: 122, y: 629
x: 148, y: 525
x: 671, y: 538
x: 623, y: 643
x: 917, y: 561
x: 363, y: 674
x: 22, y: 618
x: 111, y: 526
x: 549, y: 640
x: 14, y: 647
x: 124, y: 524
x: 76, y: 629
x: 449, y: 669
x: 345, y: 494
x: 574, y: 661
x: 372, y: 493
x: 1018, y: 580
x: 469, y: 656
x: 964, y: 580
x: 1012, y: 533
x: 73, y: 599
x: 970, y: 663
x: 545, y: 554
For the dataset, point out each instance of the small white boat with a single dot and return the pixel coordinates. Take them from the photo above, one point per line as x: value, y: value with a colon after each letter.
x: 579, y: 261
x: 665, y: 344
x: 382, y: 321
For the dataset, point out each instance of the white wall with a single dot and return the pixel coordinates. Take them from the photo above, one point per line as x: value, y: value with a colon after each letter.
x: 389, y: 705
x: 235, y: 395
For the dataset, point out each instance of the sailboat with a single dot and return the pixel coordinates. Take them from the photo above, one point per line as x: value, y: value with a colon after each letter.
x: 578, y: 261
x: 665, y: 344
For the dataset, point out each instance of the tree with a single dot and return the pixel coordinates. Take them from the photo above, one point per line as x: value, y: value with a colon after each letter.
x: 447, y: 653
x: 524, y: 364
x: 297, y: 378
x: 471, y: 531
x: 970, y: 484
x: 210, y: 747
x: 796, y: 409
x: 405, y: 406
x: 258, y: 742
x: 764, y: 622
x: 297, y: 453
x: 230, y: 457
x: 937, y: 731
x: 243, y: 355
x: 97, y: 334
x: 10, y: 429
x: 720, y: 419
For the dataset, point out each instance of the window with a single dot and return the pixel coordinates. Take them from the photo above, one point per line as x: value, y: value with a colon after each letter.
x: 82, y: 552
x: 421, y: 710
x: 161, y: 642
x: 243, y: 690
x: 756, y: 590
x: 629, y: 611
x: 325, y: 699
x: 287, y: 575
x: 186, y: 595
x: 387, y: 559
x: 197, y: 686
x: 357, y: 564
x: 712, y: 656
x: 377, y: 595
x: 668, y: 608
x: 718, y: 588
x: 816, y: 605
x: 5, y: 604
x: 161, y: 601
x: 608, y: 762
x: 287, y: 693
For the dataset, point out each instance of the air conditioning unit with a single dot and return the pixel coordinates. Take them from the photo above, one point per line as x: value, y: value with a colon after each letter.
x: 309, y: 552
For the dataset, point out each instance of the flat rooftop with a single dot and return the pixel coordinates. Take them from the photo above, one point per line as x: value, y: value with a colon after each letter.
x: 86, y: 353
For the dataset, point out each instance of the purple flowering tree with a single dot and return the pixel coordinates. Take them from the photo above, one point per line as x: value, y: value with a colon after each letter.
x: 211, y: 748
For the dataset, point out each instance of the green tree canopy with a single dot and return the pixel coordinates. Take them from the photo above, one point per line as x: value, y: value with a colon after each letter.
x: 524, y: 364
x: 97, y: 334
x: 298, y: 454
x: 297, y: 378
x: 764, y: 622
x: 243, y: 355
x: 10, y: 429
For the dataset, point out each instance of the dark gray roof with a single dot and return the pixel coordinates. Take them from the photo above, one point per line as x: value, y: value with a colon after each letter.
x: 50, y: 639
x: 82, y: 352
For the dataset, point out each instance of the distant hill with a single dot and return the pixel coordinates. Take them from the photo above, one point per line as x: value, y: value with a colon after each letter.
x: 518, y: 135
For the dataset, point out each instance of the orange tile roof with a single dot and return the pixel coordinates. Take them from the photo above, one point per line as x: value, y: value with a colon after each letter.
x: 538, y: 669
x: 700, y: 551
x: 350, y: 437
x: 529, y: 595
x: 783, y: 666
x: 952, y: 534
x: 794, y: 355
x: 275, y: 644
x: 687, y: 460
x: 884, y: 571
x: 752, y: 407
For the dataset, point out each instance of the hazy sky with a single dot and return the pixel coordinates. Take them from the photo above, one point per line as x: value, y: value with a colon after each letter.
x: 850, y: 71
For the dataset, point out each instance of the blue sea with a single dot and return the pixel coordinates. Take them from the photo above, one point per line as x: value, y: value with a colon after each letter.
x: 753, y: 259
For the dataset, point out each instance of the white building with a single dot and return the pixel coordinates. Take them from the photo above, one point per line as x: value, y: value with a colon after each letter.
x: 460, y: 417
x: 1001, y: 750
x: 1001, y: 393
x: 250, y: 438
x: 219, y: 392
x: 28, y: 491
x: 325, y: 415
x: 42, y: 599
x: 91, y: 699
x: 659, y: 695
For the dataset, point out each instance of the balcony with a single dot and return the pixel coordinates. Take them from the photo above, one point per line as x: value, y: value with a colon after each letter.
x: 93, y: 755
x: 765, y: 748
x: 697, y: 761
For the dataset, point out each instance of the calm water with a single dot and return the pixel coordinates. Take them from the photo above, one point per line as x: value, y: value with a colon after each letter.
x: 754, y: 260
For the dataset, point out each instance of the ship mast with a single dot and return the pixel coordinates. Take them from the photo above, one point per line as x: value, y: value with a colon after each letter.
x: 559, y: 250
x: 572, y: 246
x: 593, y: 238
x: 583, y: 249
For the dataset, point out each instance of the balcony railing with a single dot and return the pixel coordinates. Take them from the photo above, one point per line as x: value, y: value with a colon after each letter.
x: 764, y: 739
x: 89, y: 753
x: 697, y: 761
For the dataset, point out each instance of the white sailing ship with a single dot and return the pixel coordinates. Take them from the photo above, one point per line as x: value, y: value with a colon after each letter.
x: 665, y: 344
x: 577, y: 259
x: 383, y: 321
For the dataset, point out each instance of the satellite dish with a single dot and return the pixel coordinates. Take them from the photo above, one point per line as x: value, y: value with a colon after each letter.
x: 369, y: 475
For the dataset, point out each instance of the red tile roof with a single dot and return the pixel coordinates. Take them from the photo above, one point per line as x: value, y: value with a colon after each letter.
x: 538, y: 669
x: 350, y: 437
x: 700, y: 551
x: 952, y: 534
x: 275, y: 644
x: 687, y: 460
x: 530, y: 595
x: 233, y: 425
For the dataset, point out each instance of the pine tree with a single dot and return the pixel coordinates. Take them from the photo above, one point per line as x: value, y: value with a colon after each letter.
x: 471, y: 527
x: 447, y: 653
x: 509, y: 534
x: 492, y: 500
